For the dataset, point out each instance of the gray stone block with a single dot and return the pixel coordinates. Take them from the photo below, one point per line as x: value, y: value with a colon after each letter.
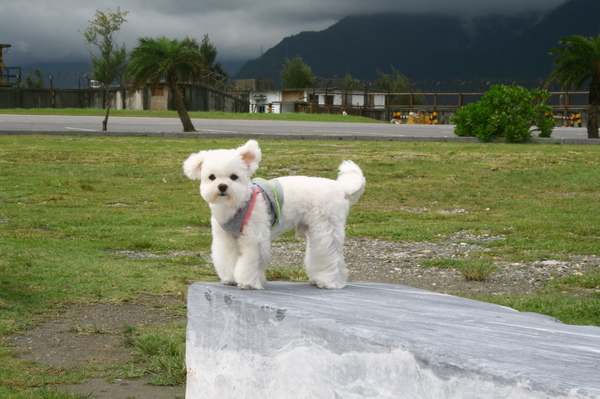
x: 294, y: 340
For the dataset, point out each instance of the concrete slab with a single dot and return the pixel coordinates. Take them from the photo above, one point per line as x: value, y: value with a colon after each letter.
x: 294, y: 340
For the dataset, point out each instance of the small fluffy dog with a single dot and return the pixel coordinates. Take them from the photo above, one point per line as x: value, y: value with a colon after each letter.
x: 247, y: 214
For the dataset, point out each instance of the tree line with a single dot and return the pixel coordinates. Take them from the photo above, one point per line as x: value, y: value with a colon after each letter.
x: 296, y: 74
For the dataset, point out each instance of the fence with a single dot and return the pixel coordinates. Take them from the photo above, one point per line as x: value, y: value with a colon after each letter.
x: 202, y: 98
x: 569, y: 107
x: 562, y: 99
x: 197, y: 98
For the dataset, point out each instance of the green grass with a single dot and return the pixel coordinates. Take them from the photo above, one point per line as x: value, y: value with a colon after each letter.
x: 194, y: 114
x: 568, y: 308
x: 471, y: 269
x: 162, y: 352
x: 477, y: 270
x: 279, y: 273
x: 69, y: 205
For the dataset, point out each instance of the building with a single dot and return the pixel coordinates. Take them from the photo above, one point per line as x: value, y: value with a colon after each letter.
x: 264, y: 98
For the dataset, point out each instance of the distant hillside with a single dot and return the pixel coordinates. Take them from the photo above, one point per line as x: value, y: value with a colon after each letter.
x: 526, y: 56
x: 432, y: 46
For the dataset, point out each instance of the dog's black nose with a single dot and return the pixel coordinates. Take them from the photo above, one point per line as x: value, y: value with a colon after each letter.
x: 222, y: 188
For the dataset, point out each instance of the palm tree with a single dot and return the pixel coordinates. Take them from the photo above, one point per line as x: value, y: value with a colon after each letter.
x: 175, y: 61
x: 577, y: 62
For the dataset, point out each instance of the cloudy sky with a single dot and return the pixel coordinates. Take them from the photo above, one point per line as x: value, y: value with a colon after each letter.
x: 49, y: 31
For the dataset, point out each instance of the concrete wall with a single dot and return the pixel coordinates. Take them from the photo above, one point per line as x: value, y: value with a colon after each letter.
x: 293, y: 340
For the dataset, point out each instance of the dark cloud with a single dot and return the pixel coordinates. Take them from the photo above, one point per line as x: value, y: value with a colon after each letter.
x: 44, y: 31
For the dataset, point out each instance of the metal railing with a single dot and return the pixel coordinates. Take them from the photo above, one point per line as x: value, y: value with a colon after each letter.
x: 567, y: 106
x: 560, y: 99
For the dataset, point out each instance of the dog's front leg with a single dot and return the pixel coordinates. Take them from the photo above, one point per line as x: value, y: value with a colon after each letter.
x: 224, y: 253
x: 251, y: 264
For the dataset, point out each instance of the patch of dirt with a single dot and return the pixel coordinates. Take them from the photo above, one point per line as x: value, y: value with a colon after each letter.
x: 91, y: 335
x: 123, y: 389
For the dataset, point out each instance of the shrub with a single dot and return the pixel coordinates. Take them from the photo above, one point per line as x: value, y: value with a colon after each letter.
x: 508, y: 112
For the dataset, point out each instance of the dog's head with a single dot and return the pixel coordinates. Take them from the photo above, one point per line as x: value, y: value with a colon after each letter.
x: 224, y: 174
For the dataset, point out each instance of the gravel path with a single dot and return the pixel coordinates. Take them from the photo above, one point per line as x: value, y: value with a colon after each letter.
x: 379, y: 261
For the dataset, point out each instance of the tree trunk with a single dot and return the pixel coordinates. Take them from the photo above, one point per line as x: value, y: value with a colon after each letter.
x: 107, y: 106
x: 594, y: 101
x: 188, y: 126
x: 592, y: 127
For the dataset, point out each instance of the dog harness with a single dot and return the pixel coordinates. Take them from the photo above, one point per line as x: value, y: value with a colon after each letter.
x: 272, y: 192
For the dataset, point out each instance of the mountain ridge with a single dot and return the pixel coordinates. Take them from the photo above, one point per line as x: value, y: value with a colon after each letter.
x: 432, y: 46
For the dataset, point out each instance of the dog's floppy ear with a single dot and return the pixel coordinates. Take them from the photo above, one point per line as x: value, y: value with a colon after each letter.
x: 251, y: 155
x: 193, y: 165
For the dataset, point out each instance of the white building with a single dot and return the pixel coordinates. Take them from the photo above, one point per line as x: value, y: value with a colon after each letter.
x: 315, y: 101
x: 263, y: 98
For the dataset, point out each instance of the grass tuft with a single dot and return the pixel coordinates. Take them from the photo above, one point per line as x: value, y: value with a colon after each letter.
x: 286, y: 274
x: 472, y: 270
x: 475, y: 270
x: 163, y: 353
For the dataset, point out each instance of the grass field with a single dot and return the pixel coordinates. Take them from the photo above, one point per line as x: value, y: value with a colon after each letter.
x: 69, y: 204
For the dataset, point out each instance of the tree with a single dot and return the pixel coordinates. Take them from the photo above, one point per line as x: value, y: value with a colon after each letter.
x: 35, y: 80
x: 108, y: 65
x: 175, y: 61
x: 295, y: 74
x: 395, y: 82
x: 506, y: 111
x: 209, y: 52
x: 577, y: 62
x: 349, y: 83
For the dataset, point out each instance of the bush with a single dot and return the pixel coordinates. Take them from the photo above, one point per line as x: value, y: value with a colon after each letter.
x: 509, y: 112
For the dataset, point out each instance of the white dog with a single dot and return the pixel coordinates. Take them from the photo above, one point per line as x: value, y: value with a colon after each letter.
x: 247, y: 214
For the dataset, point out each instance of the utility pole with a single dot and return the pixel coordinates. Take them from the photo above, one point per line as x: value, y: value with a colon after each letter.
x: 3, y: 72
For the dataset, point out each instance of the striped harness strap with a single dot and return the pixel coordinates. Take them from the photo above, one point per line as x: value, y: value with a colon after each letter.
x: 273, y: 194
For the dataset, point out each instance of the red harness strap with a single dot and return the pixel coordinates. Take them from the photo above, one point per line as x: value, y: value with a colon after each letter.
x: 250, y: 207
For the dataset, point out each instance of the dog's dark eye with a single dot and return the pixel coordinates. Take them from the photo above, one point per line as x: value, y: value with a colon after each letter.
x: 233, y: 177
x: 212, y: 177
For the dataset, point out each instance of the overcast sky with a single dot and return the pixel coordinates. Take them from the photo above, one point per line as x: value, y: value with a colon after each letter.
x: 49, y: 31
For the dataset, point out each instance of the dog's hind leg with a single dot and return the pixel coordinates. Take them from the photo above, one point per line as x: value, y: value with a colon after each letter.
x: 324, y: 259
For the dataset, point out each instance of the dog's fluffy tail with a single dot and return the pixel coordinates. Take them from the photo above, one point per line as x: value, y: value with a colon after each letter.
x: 353, y: 181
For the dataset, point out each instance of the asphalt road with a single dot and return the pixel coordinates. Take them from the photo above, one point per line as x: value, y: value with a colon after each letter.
x: 91, y: 125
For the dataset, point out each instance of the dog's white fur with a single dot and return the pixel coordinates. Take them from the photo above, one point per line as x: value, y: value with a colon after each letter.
x: 317, y: 207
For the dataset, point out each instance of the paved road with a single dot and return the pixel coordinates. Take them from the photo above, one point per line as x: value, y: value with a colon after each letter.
x: 10, y: 124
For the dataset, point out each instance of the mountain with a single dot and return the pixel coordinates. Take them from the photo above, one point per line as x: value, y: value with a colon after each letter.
x: 526, y: 56
x: 232, y: 66
x: 432, y: 46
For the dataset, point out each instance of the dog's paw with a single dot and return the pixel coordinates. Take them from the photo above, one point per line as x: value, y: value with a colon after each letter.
x: 335, y: 285
x: 251, y: 286
x: 229, y: 282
